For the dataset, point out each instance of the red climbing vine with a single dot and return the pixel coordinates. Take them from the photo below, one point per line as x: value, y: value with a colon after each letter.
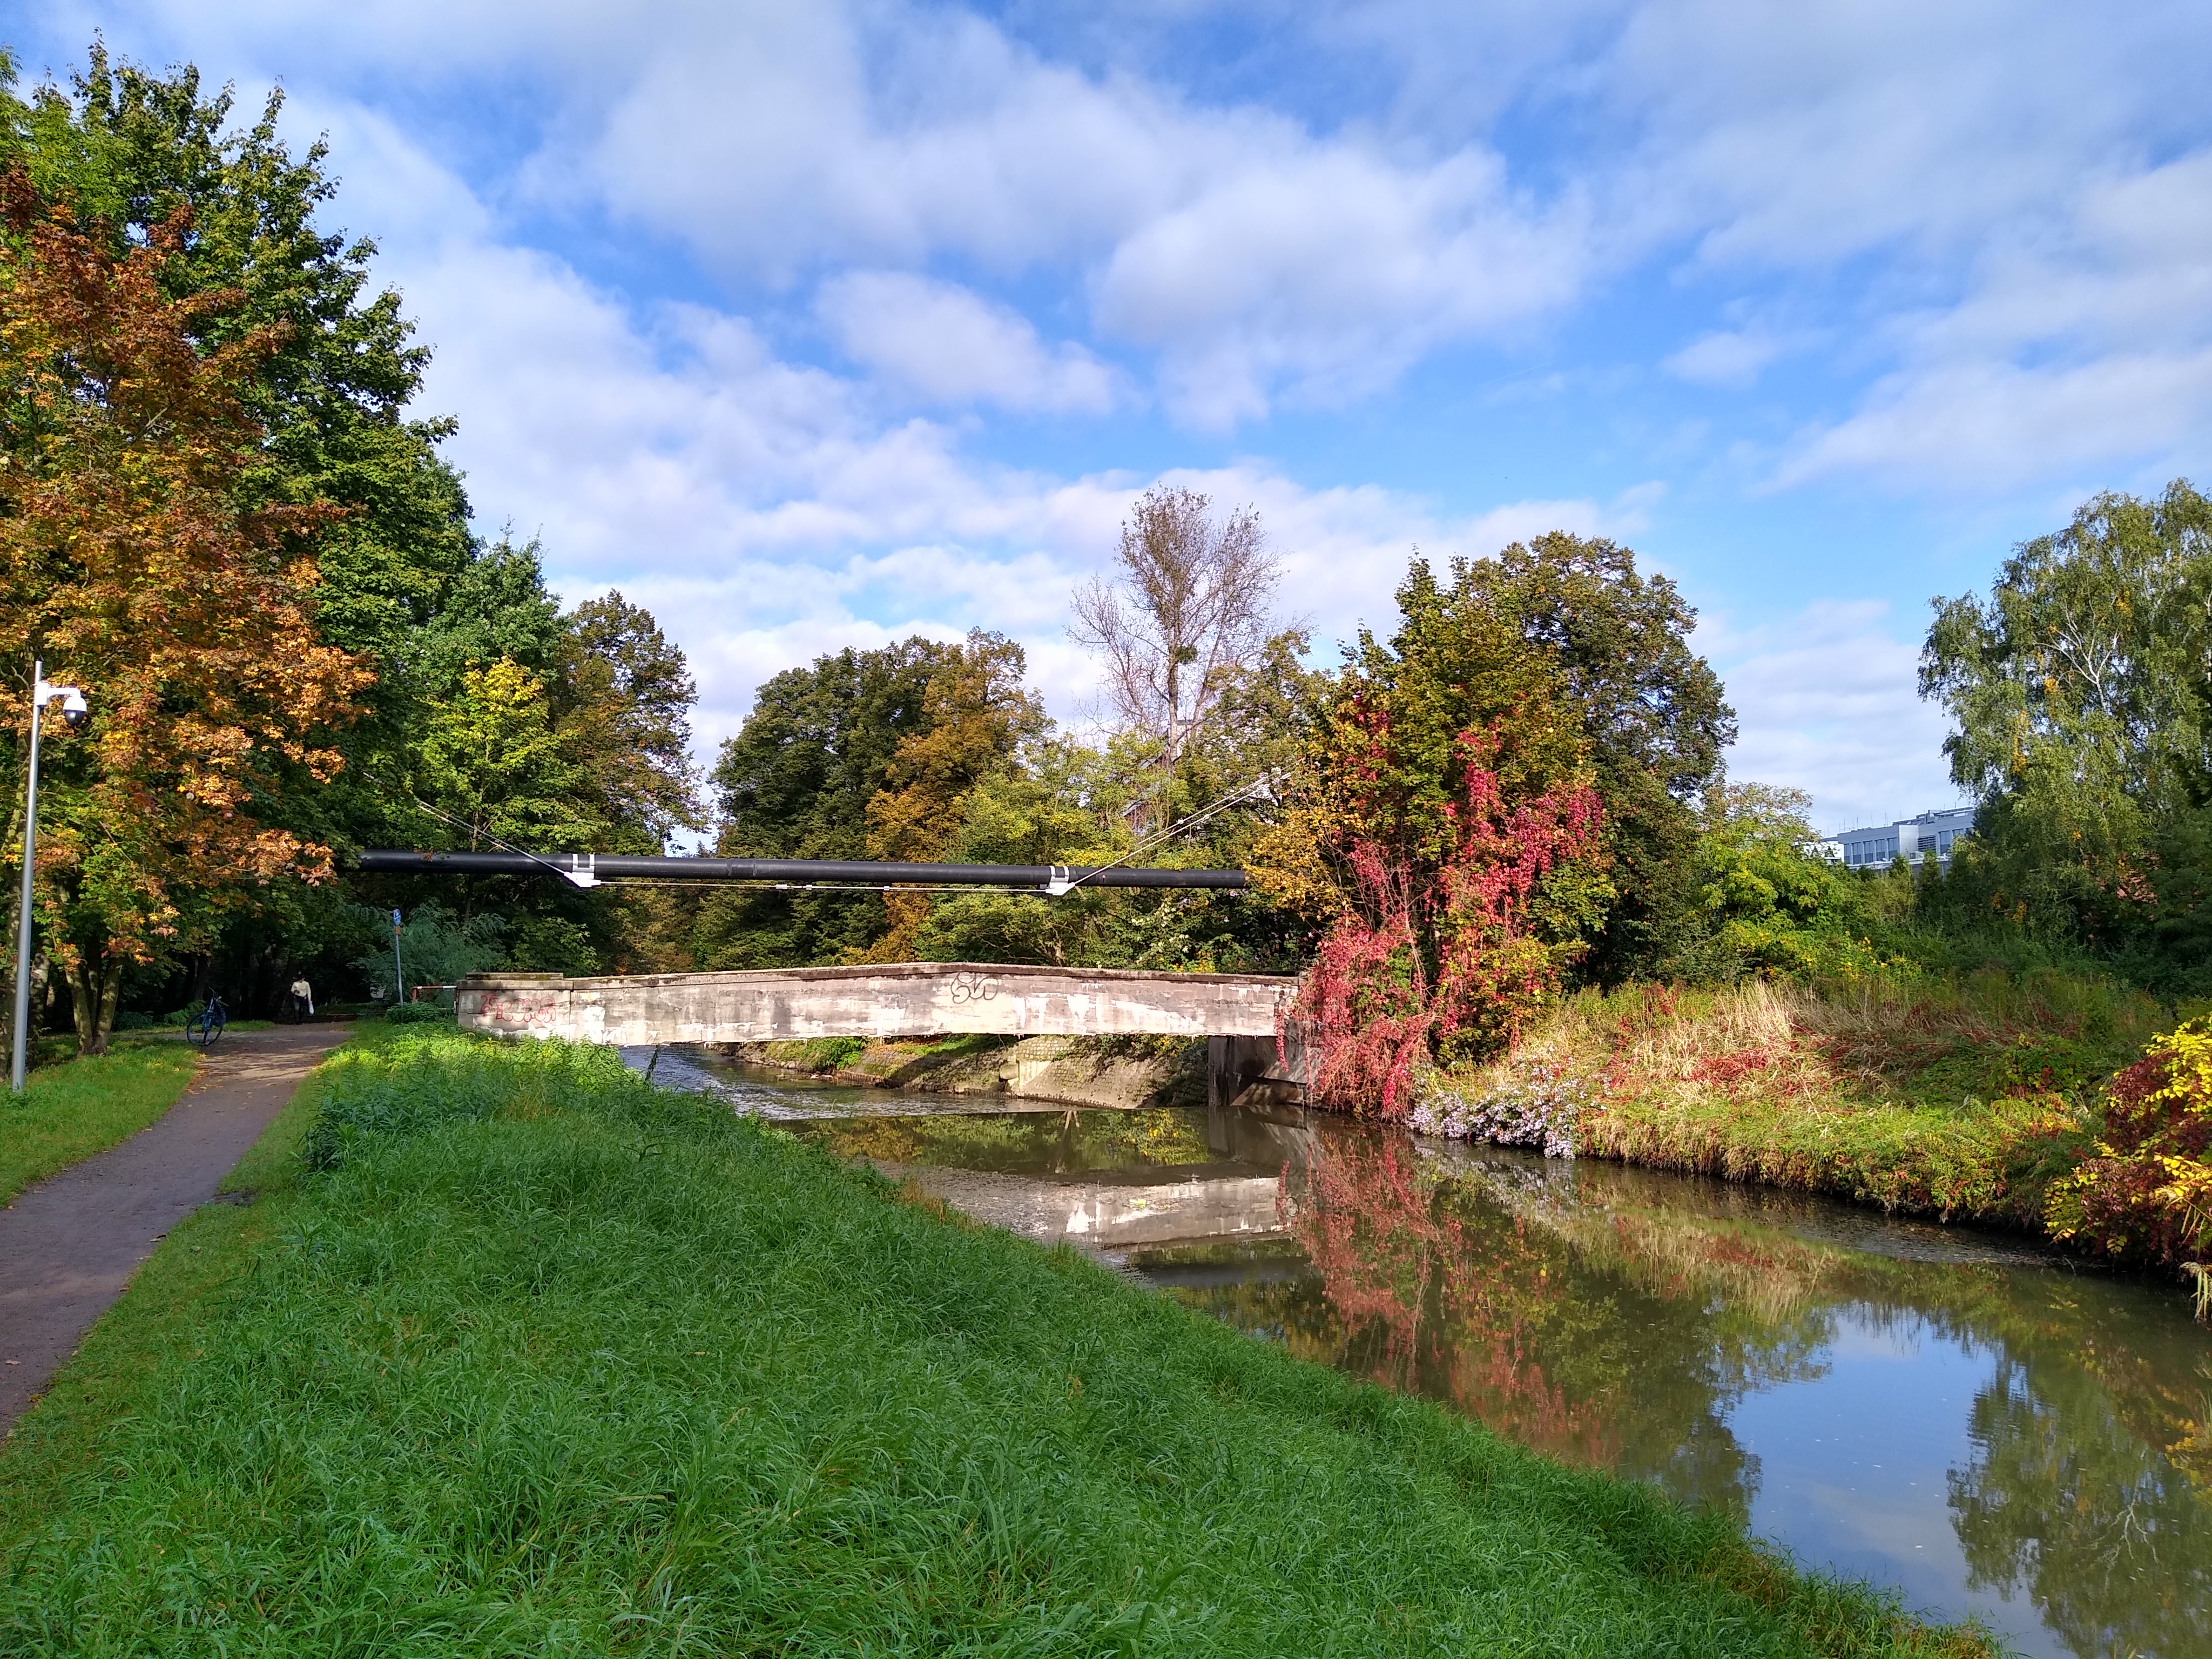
x: 1446, y: 950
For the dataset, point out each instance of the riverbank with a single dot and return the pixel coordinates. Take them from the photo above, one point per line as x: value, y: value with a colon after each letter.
x: 1964, y: 1100
x: 538, y: 1355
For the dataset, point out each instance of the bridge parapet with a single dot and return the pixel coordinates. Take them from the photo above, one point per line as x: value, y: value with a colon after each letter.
x: 896, y: 1000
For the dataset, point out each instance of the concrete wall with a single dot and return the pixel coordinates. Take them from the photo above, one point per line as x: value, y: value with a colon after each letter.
x: 906, y: 999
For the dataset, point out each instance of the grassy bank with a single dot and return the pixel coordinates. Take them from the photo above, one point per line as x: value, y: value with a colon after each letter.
x: 72, y: 1111
x: 539, y: 1359
x: 1962, y: 1097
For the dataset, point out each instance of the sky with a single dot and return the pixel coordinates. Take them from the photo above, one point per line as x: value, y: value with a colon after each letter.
x: 820, y: 325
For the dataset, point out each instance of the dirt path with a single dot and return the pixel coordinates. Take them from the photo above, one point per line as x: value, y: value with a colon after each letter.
x: 70, y: 1244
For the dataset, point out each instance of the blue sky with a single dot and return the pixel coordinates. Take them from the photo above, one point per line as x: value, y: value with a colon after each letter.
x: 811, y: 325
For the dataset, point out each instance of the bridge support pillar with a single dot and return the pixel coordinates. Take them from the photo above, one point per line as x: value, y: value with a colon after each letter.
x: 1257, y: 1068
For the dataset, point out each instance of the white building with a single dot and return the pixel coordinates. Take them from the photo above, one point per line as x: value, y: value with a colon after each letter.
x: 1931, y: 835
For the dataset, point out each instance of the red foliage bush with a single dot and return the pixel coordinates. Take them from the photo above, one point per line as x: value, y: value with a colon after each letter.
x: 1442, y: 952
x: 2147, y: 1190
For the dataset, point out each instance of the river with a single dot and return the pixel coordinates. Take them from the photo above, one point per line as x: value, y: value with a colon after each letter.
x: 1985, y: 1427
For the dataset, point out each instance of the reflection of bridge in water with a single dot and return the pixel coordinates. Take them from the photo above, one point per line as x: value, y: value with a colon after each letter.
x: 1240, y: 1196
x: 1239, y: 1013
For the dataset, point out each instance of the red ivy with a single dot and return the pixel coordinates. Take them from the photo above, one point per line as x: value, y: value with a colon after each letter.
x: 1439, y: 947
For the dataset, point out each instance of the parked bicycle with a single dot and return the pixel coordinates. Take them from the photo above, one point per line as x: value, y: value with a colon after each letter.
x: 205, y: 1026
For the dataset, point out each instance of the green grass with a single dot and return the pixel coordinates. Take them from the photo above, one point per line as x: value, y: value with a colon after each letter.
x: 72, y: 1111
x: 1963, y: 1095
x: 540, y: 1359
x: 817, y: 1054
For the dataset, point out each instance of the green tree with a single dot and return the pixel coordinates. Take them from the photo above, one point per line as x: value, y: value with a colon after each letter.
x: 796, y: 782
x: 622, y: 700
x: 1652, y: 712
x: 1770, y: 902
x: 492, y: 759
x: 2079, y: 692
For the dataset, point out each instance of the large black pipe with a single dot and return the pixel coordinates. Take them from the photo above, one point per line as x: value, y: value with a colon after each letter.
x: 609, y: 866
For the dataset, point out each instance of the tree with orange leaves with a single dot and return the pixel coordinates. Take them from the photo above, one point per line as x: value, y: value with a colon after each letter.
x: 127, y: 562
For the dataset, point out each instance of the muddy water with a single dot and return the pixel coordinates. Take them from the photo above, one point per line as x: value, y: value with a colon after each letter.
x: 1985, y: 1427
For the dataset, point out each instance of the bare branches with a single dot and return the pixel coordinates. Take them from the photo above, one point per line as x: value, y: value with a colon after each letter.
x: 1186, y: 616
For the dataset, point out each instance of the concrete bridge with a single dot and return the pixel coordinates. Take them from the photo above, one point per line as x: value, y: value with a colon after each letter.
x: 1241, y: 1012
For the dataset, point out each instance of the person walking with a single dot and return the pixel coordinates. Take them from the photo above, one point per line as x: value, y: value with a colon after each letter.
x: 303, y: 998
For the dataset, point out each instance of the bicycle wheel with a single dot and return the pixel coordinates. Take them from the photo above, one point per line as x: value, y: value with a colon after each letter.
x: 200, y: 1031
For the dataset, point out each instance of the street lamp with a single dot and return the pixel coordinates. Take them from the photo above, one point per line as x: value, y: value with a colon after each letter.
x: 75, y: 713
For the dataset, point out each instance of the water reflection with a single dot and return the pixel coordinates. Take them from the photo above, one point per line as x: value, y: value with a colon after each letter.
x: 1978, y: 1424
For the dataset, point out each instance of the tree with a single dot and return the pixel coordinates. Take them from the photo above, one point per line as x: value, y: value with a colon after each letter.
x: 492, y: 759
x: 404, y: 584
x: 977, y: 713
x: 1443, y: 828
x: 1187, y: 615
x: 796, y: 782
x: 1652, y: 712
x: 338, y: 370
x: 336, y: 378
x: 2081, y: 695
x: 127, y: 562
x: 1770, y: 902
x: 622, y: 704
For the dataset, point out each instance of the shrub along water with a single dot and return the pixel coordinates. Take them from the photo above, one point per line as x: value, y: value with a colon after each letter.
x: 2015, y: 1099
x: 533, y: 1355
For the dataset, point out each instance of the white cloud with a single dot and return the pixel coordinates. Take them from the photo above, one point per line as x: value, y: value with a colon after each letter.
x: 945, y: 344
x: 1828, y: 701
x: 2089, y: 344
x: 1726, y: 357
x: 1325, y: 269
x: 1499, y: 167
x: 1254, y: 257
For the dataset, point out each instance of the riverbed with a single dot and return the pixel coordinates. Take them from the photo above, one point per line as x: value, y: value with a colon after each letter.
x: 1988, y: 1428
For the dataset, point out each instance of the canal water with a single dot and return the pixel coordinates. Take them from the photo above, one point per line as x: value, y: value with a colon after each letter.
x: 1986, y: 1427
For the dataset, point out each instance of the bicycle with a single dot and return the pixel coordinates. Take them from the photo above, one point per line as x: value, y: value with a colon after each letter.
x: 204, y: 1027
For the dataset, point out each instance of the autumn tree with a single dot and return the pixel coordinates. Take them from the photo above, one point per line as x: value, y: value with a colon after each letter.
x: 1444, y: 830
x: 977, y: 713
x: 1652, y: 712
x: 131, y: 564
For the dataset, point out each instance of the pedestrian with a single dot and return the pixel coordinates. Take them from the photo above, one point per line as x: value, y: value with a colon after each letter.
x: 303, y: 998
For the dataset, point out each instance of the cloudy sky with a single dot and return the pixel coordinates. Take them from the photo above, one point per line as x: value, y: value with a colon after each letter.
x: 809, y: 326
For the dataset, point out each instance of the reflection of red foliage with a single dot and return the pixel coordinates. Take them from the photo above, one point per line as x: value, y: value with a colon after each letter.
x: 1440, y: 945
x: 1443, y: 1304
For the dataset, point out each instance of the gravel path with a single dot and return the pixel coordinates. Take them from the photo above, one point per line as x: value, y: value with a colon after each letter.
x: 70, y: 1244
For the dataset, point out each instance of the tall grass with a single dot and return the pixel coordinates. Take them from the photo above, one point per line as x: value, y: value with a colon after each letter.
x: 537, y: 1359
x: 1966, y: 1095
x: 69, y: 1111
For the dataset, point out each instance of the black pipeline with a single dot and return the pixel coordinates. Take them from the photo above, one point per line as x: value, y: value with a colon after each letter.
x: 590, y: 869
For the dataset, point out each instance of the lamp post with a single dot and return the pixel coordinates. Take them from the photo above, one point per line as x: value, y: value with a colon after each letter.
x: 74, y: 713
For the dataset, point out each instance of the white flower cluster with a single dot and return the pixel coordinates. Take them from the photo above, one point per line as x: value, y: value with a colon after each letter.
x: 1540, y: 1107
